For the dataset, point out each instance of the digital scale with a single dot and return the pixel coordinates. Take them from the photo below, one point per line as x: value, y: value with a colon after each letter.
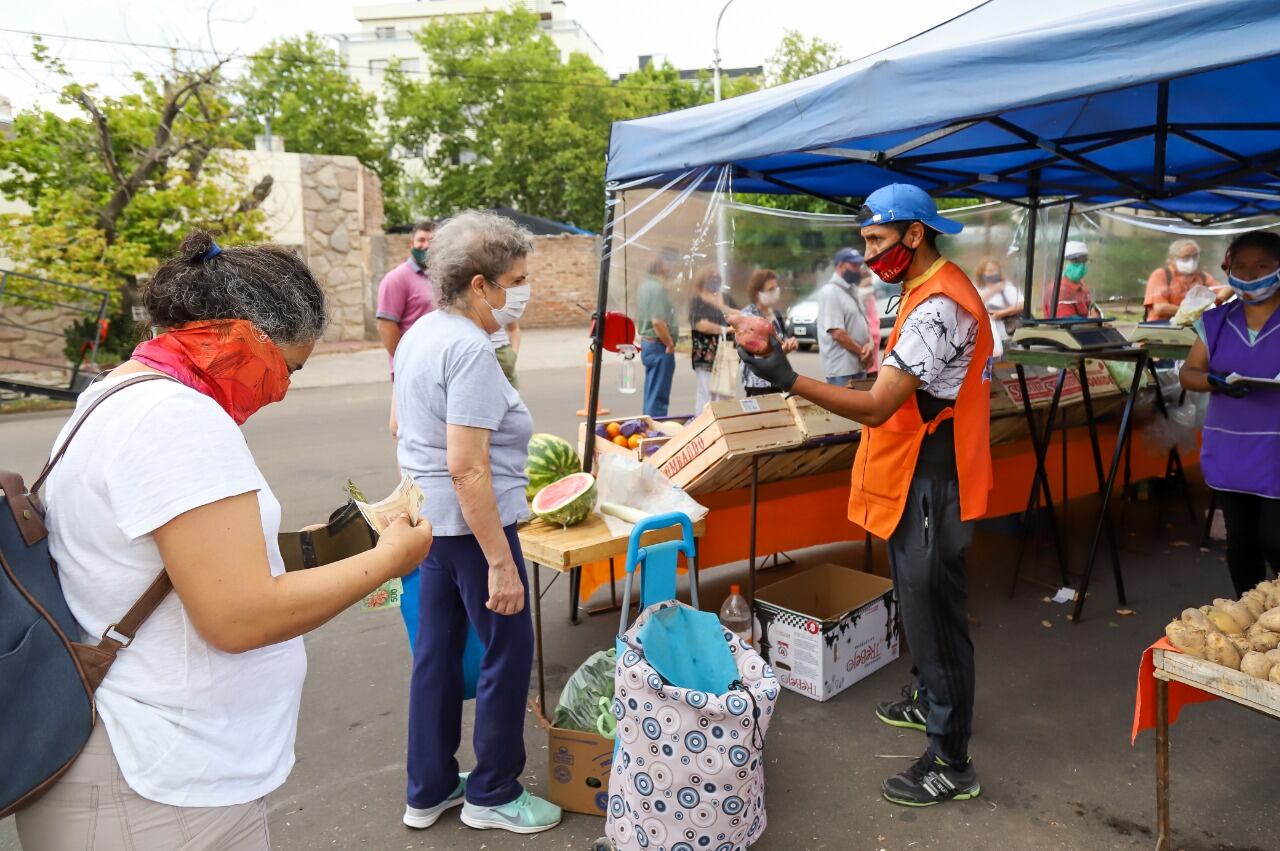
x: 1070, y: 335
x: 1163, y: 334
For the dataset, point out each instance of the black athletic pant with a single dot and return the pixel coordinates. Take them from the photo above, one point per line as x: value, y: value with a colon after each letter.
x: 1253, y: 536
x: 926, y: 553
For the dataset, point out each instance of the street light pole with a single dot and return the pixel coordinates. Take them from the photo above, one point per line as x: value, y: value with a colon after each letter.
x: 715, y: 82
x: 722, y: 251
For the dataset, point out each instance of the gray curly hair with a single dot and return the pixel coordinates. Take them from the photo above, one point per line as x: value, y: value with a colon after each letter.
x: 476, y: 242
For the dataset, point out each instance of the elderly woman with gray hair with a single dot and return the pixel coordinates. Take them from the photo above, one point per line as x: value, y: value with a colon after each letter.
x: 1169, y: 285
x: 199, y: 712
x: 464, y: 435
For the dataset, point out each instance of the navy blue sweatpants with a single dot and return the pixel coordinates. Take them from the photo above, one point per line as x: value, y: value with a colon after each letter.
x: 454, y: 587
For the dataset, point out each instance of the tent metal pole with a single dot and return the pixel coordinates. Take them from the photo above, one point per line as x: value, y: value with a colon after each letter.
x: 597, y: 342
x: 1062, y: 259
x: 1162, y: 135
x: 1033, y: 213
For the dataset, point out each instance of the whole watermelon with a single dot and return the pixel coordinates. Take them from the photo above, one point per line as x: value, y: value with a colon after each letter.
x: 551, y: 458
x: 568, y: 501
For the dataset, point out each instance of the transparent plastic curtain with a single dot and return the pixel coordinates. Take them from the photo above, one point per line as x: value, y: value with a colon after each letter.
x: 691, y: 226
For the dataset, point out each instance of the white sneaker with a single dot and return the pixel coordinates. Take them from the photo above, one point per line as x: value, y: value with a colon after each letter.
x: 526, y: 814
x: 421, y: 819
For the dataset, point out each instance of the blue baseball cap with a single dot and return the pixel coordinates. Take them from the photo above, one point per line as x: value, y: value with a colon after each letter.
x: 904, y: 202
x: 847, y: 255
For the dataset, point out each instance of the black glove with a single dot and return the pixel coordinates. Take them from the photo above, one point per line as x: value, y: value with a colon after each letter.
x: 1218, y: 384
x: 773, y: 367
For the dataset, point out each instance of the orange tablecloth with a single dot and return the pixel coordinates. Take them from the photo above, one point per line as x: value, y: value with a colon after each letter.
x: 812, y: 510
x: 1180, y: 694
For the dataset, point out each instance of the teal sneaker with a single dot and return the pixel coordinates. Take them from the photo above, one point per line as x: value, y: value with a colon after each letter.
x: 421, y: 819
x: 526, y: 814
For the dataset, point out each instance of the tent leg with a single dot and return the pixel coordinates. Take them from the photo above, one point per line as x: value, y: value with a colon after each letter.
x: 597, y: 342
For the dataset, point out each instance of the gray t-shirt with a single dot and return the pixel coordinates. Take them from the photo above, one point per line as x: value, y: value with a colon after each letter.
x: 838, y: 308
x: 447, y: 374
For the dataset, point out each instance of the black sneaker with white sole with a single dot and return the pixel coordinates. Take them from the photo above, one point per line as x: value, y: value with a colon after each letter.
x: 932, y: 781
x: 910, y: 712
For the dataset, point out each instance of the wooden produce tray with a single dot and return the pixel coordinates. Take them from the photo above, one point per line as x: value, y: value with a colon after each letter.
x: 725, y: 431
x: 1260, y: 695
x: 823, y: 456
x: 816, y: 421
x: 604, y: 445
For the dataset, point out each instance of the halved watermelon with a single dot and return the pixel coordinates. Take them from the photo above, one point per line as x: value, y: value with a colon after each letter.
x: 568, y: 501
x: 550, y: 459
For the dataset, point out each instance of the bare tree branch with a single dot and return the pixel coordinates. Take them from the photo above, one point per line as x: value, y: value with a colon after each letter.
x: 257, y: 195
x: 104, y: 136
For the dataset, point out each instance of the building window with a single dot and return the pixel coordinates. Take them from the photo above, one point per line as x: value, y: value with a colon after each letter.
x: 377, y: 67
x: 410, y: 66
x: 384, y: 32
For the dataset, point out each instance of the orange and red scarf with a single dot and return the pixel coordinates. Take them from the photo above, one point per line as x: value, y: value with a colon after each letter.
x: 228, y: 360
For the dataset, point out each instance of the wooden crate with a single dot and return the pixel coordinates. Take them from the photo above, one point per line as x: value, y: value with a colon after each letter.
x: 604, y: 445
x: 789, y: 464
x: 726, y: 429
x: 1262, y: 695
x: 816, y: 421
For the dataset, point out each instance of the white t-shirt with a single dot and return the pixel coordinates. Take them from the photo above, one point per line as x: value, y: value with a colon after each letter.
x: 191, y: 726
x: 936, y: 346
x: 1006, y: 297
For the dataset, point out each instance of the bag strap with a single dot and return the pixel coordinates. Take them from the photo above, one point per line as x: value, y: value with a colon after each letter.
x: 127, y: 627
x: 62, y: 450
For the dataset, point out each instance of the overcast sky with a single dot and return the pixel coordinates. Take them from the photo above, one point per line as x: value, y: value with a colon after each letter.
x: 680, y: 29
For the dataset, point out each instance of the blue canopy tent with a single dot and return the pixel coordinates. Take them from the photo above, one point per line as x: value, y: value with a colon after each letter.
x: 1171, y: 105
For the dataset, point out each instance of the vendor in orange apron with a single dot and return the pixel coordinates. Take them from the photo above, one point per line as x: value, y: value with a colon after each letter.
x: 922, y: 473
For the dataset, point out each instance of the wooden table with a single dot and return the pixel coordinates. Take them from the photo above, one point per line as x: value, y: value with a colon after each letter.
x: 565, y: 550
x: 1250, y: 692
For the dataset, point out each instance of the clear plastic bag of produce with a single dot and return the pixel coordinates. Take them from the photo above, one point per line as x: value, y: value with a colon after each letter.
x: 1197, y: 300
x: 630, y: 489
x: 579, y: 707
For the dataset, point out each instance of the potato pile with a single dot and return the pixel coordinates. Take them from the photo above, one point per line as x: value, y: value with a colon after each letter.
x: 1242, y: 634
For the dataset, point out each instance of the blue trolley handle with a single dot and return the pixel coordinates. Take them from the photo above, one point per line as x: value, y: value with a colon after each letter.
x: 636, y: 555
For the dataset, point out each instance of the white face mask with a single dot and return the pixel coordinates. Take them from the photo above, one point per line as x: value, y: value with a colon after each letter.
x: 1187, y: 266
x: 769, y: 298
x: 517, y: 299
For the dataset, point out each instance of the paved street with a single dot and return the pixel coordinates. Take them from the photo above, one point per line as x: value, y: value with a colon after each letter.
x: 1054, y: 703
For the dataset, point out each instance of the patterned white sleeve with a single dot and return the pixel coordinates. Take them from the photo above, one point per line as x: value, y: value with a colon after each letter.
x: 936, y: 346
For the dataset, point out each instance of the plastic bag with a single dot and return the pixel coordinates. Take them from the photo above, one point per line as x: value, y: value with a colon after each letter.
x: 579, y: 707
x: 629, y: 483
x: 1197, y: 300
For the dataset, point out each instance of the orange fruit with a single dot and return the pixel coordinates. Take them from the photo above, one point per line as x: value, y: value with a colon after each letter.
x: 621, y: 441
x: 633, y: 441
x: 612, y: 429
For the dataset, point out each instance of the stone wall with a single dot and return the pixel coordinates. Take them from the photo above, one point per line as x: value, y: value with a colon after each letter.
x: 340, y: 219
x: 562, y: 269
x: 39, y: 336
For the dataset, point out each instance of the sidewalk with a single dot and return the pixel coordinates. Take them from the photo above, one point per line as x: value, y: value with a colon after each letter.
x: 345, y: 363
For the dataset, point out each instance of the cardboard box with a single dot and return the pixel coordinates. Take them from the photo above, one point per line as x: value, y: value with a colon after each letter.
x: 578, y: 770
x: 1040, y: 384
x: 826, y: 628
x: 725, y: 429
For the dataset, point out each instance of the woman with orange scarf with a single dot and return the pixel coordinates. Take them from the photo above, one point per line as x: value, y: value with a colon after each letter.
x: 199, y: 712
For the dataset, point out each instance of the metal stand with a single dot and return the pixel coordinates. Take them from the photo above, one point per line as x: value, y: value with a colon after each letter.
x: 1162, y: 765
x: 1040, y: 480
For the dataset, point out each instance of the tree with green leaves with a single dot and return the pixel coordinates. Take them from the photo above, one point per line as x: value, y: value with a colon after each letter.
x: 300, y: 86
x: 797, y: 57
x: 111, y: 190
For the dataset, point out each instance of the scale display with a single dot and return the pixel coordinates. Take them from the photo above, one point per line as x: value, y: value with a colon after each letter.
x: 1070, y: 335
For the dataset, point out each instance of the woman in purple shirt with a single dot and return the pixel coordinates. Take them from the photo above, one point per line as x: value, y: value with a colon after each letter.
x: 1240, y: 454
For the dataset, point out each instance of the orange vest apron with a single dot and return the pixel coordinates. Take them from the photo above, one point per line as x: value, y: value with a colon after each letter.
x: 887, y: 454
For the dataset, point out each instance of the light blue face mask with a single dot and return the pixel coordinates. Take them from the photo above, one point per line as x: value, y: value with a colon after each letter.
x: 1259, y: 289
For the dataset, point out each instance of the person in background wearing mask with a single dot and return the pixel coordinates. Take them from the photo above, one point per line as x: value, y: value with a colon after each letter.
x: 709, y: 312
x: 845, y: 344
x: 922, y: 474
x: 764, y: 293
x: 1168, y: 285
x: 1074, y: 298
x: 506, y: 340
x: 658, y: 333
x: 405, y: 295
x: 1000, y: 295
x: 1240, y: 455
x: 464, y: 438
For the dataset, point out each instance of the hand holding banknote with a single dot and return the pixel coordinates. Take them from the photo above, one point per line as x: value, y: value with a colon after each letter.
x: 407, y: 544
x: 400, y: 527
